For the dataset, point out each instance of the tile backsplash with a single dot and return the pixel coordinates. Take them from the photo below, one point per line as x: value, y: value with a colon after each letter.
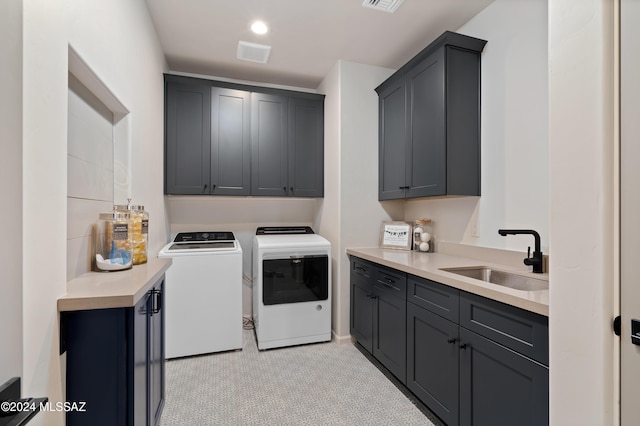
x: 89, y: 173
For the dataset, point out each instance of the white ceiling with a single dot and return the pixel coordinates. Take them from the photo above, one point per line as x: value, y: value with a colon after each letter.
x: 307, y: 36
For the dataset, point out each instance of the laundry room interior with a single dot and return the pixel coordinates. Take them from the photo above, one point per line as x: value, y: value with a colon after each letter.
x: 408, y: 212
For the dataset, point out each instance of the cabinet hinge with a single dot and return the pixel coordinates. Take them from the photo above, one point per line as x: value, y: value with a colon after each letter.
x: 617, y: 325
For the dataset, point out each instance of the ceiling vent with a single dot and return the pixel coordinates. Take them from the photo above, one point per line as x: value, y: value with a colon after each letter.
x: 253, y: 52
x: 384, y: 5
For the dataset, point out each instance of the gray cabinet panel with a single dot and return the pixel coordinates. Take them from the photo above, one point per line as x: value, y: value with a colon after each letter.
x: 379, y: 313
x: 306, y: 147
x: 523, y: 331
x: 426, y: 153
x: 429, y: 113
x: 156, y: 354
x: 438, y: 298
x: 390, y: 320
x: 499, y: 386
x: 432, y: 361
x: 361, y: 268
x: 233, y: 139
x: 230, y: 142
x: 188, y: 139
x: 392, y: 151
x: 361, y: 320
x: 269, y: 146
x: 463, y: 122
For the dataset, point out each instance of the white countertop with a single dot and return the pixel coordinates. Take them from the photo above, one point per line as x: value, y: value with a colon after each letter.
x: 102, y: 290
x: 428, y: 265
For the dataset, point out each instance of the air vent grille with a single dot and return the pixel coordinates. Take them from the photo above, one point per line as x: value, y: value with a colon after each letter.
x: 384, y: 5
x: 253, y: 52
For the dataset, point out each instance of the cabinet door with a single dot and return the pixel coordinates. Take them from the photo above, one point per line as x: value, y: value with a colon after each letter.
x: 306, y: 147
x: 156, y: 353
x: 390, y: 321
x: 432, y: 361
x: 499, y: 386
x: 230, y: 142
x: 99, y: 357
x: 269, y: 117
x: 188, y: 139
x: 392, y: 142
x: 463, y: 121
x: 140, y: 361
x: 362, y: 312
x: 426, y: 155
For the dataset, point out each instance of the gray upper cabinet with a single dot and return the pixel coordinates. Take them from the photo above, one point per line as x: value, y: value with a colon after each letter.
x: 231, y: 139
x: 287, y: 151
x: 429, y: 126
x: 392, y: 130
x: 269, y: 145
x: 306, y: 147
x: 187, y: 139
x: 230, y: 142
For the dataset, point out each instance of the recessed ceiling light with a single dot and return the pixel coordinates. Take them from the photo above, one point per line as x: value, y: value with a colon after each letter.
x: 259, y: 27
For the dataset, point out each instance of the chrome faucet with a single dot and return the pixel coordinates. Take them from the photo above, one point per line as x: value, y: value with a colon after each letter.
x: 536, y: 260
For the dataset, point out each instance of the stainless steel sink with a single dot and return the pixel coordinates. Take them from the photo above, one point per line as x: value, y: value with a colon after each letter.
x: 503, y: 278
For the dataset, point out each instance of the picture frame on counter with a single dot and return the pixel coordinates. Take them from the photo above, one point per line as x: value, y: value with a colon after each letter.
x: 396, y: 235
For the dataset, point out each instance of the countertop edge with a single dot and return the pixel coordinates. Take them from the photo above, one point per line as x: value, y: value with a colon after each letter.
x: 104, y: 290
x: 516, y: 298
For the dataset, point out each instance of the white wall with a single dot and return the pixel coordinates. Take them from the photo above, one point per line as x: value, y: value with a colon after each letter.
x: 90, y: 178
x: 514, y: 135
x: 11, y: 190
x: 351, y: 214
x: 327, y: 219
x: 117, y: 40
x: 581, y: 141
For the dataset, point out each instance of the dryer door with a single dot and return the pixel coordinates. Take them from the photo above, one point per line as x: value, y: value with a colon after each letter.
x: 295, y: 279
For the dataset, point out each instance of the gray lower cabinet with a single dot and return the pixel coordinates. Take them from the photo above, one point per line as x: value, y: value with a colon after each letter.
x: 378, y: 313
x: 389, y: 320
x: 432, y: 361
x: 499, y: 386
x: 471, y: 360
x: 231, y: 139
x: 362, y: 303
x: 115, y: 362
x: 429, y: 122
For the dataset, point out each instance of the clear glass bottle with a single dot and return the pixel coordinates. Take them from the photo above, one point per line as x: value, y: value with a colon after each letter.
x: 422, y: 235
x: 114, y: 241
x: 140, y: 219
x: 140, y: 235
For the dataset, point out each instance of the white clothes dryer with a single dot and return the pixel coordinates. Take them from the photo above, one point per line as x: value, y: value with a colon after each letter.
x: 292, y: 287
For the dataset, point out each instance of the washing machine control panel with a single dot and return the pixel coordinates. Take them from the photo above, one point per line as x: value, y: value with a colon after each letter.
x: 185, y: 237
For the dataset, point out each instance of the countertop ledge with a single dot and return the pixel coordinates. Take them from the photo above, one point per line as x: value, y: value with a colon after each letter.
x: 428, y: 265
x: 103, y: 290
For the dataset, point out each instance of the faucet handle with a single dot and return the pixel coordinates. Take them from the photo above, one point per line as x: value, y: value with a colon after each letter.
x: 529, y: 251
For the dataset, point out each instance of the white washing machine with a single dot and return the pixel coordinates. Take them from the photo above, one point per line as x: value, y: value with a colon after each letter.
x: 292, y: 287
x: 203, y: 294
